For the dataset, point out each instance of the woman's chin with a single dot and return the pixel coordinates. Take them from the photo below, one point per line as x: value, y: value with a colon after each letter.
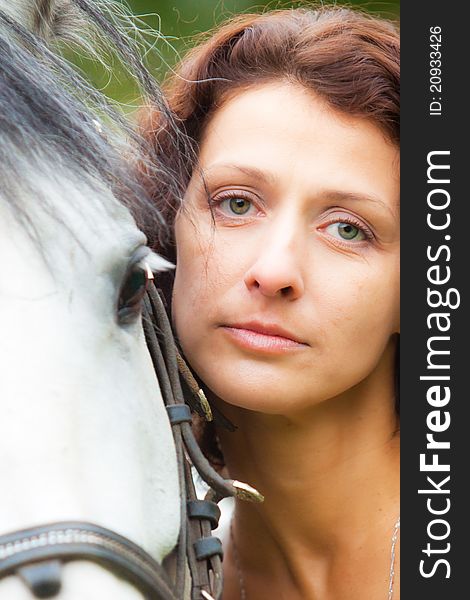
x: 259, y: 396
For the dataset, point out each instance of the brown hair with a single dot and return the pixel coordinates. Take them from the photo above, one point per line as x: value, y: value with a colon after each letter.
x: 346, y: 57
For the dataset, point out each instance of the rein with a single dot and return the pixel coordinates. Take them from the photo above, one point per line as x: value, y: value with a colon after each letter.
x: 37, y: 554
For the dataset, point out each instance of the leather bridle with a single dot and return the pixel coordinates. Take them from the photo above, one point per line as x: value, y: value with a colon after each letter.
x: 37, y: 554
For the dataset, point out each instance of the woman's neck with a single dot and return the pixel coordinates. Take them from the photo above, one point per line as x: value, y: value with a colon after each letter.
x: 330, y: 477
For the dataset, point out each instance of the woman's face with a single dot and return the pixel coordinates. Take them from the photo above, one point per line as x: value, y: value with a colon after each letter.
x: 287, y: 279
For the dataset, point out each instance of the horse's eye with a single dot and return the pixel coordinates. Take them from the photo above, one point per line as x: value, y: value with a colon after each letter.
x: 132, y: 292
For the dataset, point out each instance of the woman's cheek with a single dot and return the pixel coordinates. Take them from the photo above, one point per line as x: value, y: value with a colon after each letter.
x: 367, y: 309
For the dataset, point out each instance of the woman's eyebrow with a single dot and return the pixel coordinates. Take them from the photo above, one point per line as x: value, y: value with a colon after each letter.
x: 342, y: 196
x: 252, y: 172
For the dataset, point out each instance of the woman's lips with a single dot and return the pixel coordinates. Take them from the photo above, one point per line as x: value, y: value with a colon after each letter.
x: 263, y: 338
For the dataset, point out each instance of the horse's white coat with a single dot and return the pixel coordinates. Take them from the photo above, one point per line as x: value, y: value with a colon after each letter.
x: 83, y: 430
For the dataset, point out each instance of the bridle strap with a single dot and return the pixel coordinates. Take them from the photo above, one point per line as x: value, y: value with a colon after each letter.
x: 205, y: 571
x: 75, y: 540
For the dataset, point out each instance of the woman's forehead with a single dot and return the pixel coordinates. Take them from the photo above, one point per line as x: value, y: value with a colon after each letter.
x: 282, y: 110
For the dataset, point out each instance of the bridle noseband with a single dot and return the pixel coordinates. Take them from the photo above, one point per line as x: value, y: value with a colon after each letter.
x: 37, y: 554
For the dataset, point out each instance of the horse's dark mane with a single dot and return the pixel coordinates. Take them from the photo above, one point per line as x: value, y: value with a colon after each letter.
x: 49, y: 122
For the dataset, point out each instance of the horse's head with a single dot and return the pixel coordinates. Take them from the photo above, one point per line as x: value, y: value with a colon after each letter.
x: 84, y: 434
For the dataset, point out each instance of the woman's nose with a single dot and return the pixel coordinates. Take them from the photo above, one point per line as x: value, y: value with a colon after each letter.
x: 276, y: 271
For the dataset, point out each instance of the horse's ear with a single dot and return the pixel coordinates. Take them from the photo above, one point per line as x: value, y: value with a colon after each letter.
x: 48, y: 19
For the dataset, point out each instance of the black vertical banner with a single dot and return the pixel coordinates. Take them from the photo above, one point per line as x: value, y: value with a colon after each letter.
x: 435, y: 353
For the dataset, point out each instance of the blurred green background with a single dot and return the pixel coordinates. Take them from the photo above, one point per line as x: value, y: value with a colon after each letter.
x: 178, y: 21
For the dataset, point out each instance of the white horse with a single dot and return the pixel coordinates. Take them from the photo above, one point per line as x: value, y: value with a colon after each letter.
x: 84, y: 434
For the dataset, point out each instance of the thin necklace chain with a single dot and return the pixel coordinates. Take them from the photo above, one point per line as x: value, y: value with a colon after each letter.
x: 241, y: 581
x: 391, y: 581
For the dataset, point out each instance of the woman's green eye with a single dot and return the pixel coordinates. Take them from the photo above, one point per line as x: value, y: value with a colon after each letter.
x: 239, y: 206
x: 346, y: 231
